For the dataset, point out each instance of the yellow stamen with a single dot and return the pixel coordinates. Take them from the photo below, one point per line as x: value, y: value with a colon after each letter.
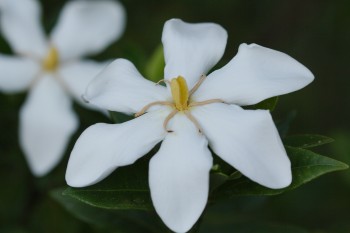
x: 167, y: 119
x: 194, y: 120
x: 211, y: 101
x: 181, y: 102
x: 197, y: 85
x: 51, y: 61
x: 145, y: 108
x: 179, y: 91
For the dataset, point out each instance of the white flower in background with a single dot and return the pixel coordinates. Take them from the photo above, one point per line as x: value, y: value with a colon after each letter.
x: 192, y: 111
x: 52, y: 69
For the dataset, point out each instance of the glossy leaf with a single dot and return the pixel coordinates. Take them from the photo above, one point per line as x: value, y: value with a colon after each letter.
x: 122, y: 221
x: 306, y: 166
x: 306, y: 140
x: 127, y: 188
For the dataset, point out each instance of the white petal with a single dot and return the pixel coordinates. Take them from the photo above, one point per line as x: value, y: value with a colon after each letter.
x: 87, y: 27
x: 104, y: 147
x: 191, y: 50
x: 77, y: 75
x: 254, y: 74
x: 47, y: 122
x: 248, y: 140
x: 20, y: 24
x: 179, y: 176
x: 120, y: 87
x: 17, y: 73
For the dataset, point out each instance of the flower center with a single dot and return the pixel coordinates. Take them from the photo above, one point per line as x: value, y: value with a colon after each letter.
x: 181, y: 103
x: 179, y: 91
x: 50, y: 63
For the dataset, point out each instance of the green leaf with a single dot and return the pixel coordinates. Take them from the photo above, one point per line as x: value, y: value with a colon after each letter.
x: 268, y: 104
x: 217, y: 179
x: 122, y: 221
x: 127, y: 188
x: 154, y: 69
x: 306, y: 140
x: 306, y: 166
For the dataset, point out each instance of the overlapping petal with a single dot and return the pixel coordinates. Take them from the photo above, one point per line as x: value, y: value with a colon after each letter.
x: 120, y: 87
x: 46, y: 123
x: 248, y: 140
x: 20, y: 25
x: 254, y: 74
x: 191, y: 50
x: 87, y: 27
x: 179, y: 175
x: 77, y: 75
x: 16, y: 74
x: 104, y: 147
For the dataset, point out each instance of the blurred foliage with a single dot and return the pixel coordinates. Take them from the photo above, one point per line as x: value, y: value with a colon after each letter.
x: 316, y: 33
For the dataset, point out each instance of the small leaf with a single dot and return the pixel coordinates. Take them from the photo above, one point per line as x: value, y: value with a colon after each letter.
x: 155, y: 67
x: 127, y: 188
x: 235, y: 175
x: 306, y: 141
x: 268, y: 104
x: 306, y: 166
x: 217, y: 179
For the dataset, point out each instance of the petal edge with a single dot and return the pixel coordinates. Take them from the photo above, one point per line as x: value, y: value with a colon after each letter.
x: 254, y: 74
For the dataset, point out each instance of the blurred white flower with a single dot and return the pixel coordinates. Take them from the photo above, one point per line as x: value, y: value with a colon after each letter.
x: 187, y: 114
x: 52, y: 69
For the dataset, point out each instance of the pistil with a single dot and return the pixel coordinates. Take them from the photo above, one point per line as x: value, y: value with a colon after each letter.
x: 179, y: 91
x: 181, y: 97
x: 50, y: 63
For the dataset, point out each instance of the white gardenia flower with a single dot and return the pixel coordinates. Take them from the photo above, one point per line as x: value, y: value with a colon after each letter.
x: 52, y: 69
x: 187, y: 115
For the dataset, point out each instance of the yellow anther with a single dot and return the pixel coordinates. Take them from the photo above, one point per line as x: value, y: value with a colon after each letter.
x: 51, y: 61
x: 179, y: 91
x: 181, y: 102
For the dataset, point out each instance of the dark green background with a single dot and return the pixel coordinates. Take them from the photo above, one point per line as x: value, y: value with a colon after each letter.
x: 316, y: 33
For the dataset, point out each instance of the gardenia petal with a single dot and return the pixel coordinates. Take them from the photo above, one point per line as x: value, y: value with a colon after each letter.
x: 104, y: 147
x: 77, y: 75
x: 20, y: 25
x: 120, y: 87
x: 47, y: 122
x: 87, y: 27
x: 191, y: 50
x: 17, y: 73
x: 254, y: 74
x: 248, y: 140
x: 179, y: 175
